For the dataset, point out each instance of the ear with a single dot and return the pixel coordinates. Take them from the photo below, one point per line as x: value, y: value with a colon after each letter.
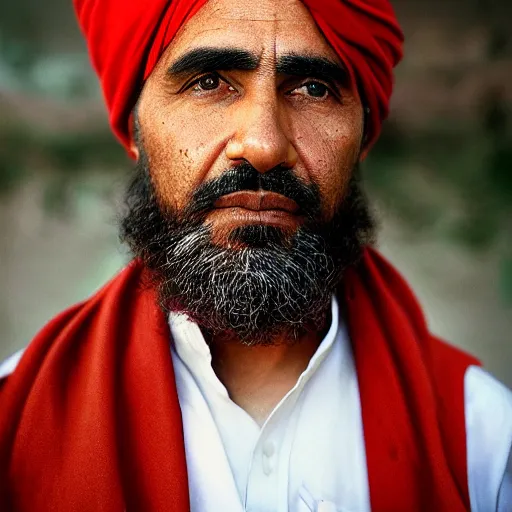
x: 365, y: 148
x: 133, y: 150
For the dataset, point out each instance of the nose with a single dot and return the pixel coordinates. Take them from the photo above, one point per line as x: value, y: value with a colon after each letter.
x: 260, y: 138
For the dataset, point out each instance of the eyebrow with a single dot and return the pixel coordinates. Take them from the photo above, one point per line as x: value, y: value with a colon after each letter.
x: 203, y: 60
x: 312, y: 66
x: 207, y: 59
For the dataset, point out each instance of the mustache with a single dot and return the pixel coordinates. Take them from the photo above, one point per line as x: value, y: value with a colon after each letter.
x: 245, y: 177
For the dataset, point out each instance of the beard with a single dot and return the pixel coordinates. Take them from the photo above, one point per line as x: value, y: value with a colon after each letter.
x: 261, y: 282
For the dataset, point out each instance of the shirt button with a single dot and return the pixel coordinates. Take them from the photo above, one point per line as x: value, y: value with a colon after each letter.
x: 268, y: 466
x: 269, y: 448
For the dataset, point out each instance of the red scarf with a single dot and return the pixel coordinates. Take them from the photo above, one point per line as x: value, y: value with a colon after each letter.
x: 90, y: 420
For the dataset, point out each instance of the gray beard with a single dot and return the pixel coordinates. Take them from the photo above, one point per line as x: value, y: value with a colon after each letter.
x: 254, y: 293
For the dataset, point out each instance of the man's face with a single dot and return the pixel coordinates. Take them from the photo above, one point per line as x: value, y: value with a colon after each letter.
x: 255, y: 82
x: 245, y: 205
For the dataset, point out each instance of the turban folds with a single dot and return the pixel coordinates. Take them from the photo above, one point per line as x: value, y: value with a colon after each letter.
x: 127, y: 37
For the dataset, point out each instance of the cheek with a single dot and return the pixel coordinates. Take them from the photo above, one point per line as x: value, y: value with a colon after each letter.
x: 330, y: 150
x: 181, y: 147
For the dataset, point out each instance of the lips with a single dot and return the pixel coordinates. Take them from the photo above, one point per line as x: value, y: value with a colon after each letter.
x: 258, y: 201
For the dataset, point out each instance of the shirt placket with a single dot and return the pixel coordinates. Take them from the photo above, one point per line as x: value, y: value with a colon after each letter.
x: 267, y: 482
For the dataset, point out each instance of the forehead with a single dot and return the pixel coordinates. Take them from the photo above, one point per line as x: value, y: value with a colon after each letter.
x: 260, y: 26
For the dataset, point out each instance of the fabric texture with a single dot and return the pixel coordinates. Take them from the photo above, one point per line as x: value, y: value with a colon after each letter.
x: 126, y: 38
x: 90, y: 419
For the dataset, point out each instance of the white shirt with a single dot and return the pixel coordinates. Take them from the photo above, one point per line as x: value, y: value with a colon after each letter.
x: 310, y: 454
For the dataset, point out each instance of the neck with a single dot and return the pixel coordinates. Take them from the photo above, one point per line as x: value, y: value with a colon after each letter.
x: 258, y: 377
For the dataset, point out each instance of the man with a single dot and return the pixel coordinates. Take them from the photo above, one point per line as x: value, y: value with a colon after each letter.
x: 257, y: 354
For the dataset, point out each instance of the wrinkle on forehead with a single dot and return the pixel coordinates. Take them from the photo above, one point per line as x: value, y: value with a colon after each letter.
x: 253, y: 10
x: 217, y: 15
x: 264, y: 27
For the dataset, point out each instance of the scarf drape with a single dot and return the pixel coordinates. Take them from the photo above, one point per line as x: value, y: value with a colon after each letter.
x: 90, y: 419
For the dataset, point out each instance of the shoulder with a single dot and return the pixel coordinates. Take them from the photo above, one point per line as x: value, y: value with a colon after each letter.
x: 9, y: 365
x: 488, y: 414
x: 106, y: 299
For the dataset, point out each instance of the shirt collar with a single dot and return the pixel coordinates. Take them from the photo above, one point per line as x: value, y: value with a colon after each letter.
x: 194, y: 351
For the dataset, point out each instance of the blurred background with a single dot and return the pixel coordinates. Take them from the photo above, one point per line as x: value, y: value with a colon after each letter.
x: 440, y: 177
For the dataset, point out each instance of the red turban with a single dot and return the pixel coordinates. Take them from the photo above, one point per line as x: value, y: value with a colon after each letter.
x: 127, y: 37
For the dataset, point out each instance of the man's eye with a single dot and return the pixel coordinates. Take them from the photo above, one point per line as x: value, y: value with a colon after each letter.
x: 317, y: 89
x: 313, y: 89
x: 207, y: 83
